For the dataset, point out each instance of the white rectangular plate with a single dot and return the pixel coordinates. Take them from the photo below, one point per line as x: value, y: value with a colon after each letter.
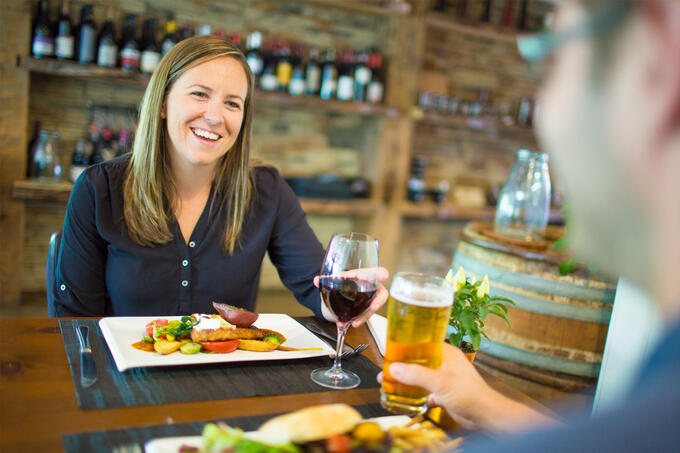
x: 172, y: 444
x: 121, y: 332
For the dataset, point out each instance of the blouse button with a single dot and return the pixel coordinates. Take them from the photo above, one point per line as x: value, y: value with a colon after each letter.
x: 185, y: 263
x: 192, y: 244
x: 63, y: 287
x: 185, y: 283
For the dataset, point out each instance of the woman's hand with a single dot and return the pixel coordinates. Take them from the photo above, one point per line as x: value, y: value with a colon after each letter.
x: 457, y: 387
x: 369, y: 273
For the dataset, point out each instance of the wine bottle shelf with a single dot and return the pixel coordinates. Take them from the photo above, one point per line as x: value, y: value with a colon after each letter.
x: 479, y: 30
x: 60, y: 192
x: 73, y: 69
x: 486, y: 125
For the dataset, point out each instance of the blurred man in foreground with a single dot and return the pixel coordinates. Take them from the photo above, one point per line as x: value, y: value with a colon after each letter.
x: 610, y: 118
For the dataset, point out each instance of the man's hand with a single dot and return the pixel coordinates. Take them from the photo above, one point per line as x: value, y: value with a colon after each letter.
x: 457, y: 387
x: 369, y: 273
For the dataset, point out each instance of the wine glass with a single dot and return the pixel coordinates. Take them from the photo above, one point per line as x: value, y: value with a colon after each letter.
x: 347, y: 288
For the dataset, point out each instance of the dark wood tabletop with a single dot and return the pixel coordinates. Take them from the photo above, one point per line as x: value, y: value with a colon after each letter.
x: 38, y: 401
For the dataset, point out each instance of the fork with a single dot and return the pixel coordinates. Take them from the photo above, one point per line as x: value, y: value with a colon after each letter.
x: 349, y: 350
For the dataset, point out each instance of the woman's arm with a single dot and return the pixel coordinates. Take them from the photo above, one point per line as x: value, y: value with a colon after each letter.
x: 80, y: 276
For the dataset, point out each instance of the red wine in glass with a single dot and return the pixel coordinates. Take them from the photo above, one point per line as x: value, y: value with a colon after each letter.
x: 347, y: 283
x: 346, y: 297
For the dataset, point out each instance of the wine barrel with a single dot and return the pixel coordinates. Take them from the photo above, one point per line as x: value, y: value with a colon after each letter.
x: 559, y: 323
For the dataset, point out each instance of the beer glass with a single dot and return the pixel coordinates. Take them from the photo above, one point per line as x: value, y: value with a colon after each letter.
x: 417, y: 316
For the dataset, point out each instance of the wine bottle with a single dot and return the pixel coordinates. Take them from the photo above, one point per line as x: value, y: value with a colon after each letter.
x: 345, y: 76
x: 31, y: 144
x: 522, y: 25
x: 486, y: 17
x: 328, y: 75
x: 362, y: 76
x: 107, y: 51
x: 79, y: 160
x: 64, y: 42
x: 150, y: 56
x: 253, y: 54
x: 284, y: 69
x: 296, y: 87
x: 268, y: 80
x: 42, y: 44
x: 375, y: 90
x: 129, y: 47
x: 86, y: 36
x: 313, y: 73
x: 170, y: 38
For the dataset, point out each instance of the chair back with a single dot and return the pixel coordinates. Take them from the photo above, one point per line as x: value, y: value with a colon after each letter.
x: 51, y: 272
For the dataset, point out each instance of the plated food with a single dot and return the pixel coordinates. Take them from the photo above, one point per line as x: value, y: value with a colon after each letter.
x: 333, y: 428
x: 221, y: 333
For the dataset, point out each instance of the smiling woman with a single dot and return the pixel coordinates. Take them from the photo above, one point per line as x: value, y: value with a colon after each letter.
x: 186, y: 218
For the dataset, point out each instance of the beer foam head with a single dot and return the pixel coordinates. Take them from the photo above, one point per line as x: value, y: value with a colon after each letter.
x: 422, y: 290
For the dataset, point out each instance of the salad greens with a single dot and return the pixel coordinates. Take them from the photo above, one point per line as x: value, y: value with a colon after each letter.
x: 175, y: 329
x: 217, y: 437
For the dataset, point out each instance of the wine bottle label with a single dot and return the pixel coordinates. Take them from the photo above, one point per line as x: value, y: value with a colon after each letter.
x: 313, y: 79
x: 148, y: 61
x: 362, y: 75
x: 255, y: 63
x: 43, y: 46
x: 268, y: 82
x: 284, y: 72
x: 345, y: 88
x: 296, y: 86
x: 129, y: 58
x: 64, y: 47
x: 374, y: 94
x: 107, y: 55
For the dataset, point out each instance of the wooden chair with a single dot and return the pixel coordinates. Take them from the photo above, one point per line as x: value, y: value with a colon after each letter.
x: 50, y: 272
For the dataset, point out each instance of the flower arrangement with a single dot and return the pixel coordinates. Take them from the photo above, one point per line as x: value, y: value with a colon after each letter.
x: 471, y: 305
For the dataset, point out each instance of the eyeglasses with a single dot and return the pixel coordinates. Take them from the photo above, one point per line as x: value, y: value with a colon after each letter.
x: 536, y: 47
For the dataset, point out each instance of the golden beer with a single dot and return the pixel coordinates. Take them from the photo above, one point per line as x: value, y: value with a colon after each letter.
x: 417, y: 318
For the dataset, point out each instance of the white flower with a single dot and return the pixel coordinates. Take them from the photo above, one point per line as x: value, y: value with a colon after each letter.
x: 458, y: 280
x: 483, y: 289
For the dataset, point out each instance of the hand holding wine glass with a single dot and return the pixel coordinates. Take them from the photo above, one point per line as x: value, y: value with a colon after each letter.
x: 348, y: 283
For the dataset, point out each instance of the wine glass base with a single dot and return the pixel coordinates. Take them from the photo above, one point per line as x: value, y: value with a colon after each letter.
x: 338, y: 379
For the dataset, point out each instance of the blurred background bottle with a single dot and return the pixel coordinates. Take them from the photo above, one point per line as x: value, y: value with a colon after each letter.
x: 86, y: 36
x: 524, y: 202
x: 42, y: 44
x: 46, y: 163
x: 64, y: 43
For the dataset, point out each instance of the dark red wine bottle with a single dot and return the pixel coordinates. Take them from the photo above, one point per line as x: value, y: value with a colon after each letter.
x: 42, y: 44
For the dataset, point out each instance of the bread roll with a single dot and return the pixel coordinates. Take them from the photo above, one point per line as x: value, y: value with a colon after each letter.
x: 309, y: 424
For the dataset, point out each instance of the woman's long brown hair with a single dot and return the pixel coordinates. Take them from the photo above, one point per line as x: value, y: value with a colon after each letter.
x: 149, y: 191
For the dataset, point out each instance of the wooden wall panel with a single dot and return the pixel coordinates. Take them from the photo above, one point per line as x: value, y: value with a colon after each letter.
x: 14, y: 28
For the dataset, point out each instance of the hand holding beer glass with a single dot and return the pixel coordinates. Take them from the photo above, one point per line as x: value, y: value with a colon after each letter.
x: 347, y: 286
x: 417, y: 317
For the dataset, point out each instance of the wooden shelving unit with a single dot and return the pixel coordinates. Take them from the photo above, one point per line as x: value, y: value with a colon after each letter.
x: 392, y: 9
x: 30, y: 190
x: 485, y: 125
x: 433, y: 211
x: 72, y: 69
x: 479, y: 30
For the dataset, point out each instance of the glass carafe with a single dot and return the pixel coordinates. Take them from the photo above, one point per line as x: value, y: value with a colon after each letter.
x: 46, y: 161
x: 524, y: 202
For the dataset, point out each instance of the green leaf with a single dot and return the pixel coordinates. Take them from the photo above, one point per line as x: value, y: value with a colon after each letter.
x: 467, y: 320
x: 561, y: 243
x: 567, y: 267
x: 455, y: 338
x: 476, y: 340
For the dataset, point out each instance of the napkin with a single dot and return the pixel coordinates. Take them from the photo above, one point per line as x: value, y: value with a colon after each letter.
x: 377, y: 325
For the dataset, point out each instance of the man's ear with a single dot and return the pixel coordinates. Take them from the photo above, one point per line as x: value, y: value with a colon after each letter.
x: 663, y: 20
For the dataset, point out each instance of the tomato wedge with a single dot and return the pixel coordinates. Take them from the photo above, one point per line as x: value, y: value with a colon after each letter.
x: 220, y: 347
x: 156, y: 322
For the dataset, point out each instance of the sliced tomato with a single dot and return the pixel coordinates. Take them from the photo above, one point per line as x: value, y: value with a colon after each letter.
x: 339, y: 443
x: 156, y: 322
x: 220, y: 347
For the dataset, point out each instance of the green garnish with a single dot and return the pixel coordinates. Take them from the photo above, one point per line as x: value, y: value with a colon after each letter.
x: 272, y: 338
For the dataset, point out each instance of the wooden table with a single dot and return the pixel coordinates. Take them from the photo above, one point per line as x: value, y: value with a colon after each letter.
x: 38, y: 402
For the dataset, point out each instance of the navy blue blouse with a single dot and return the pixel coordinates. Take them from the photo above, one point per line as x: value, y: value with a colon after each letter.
x: 102, y: 272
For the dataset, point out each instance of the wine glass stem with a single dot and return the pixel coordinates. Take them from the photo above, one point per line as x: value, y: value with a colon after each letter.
x: 342, y: 330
